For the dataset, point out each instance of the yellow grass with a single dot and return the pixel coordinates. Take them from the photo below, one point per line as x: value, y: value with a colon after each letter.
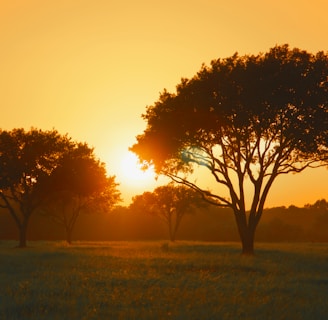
x: 150, y: 280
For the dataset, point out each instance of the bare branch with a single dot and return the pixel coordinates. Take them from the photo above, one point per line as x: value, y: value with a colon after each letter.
x: 207, y: 195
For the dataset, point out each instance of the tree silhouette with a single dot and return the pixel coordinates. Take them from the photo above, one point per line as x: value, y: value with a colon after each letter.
x: 79, y: 184
x: 26, y: 161
x: 246, y: 120
x: 321, y: 205
x: 170, y: 203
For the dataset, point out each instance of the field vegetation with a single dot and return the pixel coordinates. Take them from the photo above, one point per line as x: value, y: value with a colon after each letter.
x: 161, y: 280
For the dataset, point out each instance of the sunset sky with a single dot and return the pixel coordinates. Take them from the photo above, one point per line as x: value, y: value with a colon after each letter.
x: 90, y: 68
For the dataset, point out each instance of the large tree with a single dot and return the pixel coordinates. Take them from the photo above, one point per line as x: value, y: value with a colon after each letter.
x: 246, y: 120
x: 170, y: 203
x: 79, y: 184
x: 27, y: 158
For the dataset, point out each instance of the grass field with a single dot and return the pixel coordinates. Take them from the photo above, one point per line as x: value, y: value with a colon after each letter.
x: 143, y: 280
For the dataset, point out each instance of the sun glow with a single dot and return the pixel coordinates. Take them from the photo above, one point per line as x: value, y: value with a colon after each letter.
x: 131, y: 172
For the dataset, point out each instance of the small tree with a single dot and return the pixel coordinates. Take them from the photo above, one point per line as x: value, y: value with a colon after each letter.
x: 79, y: 184
x: 170, y: 203
x: 246, y: 120
x: 26, y: 161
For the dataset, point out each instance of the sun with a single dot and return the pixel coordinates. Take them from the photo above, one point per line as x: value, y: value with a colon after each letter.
x: 131, y: 172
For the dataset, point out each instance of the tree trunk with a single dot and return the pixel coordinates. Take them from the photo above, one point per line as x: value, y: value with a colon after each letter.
x: 69, y: 235
x: 176, y: 226
x: 247, y: 241
x: 170, y: 226
x: 246, y: 232
x: 171, y: 233
x: 22, y: 236
x: 20, y: 223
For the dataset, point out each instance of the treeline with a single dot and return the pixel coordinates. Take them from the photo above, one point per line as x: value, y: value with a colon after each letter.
x: 308, y: 224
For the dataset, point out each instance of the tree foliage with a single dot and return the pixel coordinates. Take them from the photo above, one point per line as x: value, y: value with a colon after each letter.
x: 170, y: 203
x: 79, y: 184
x: 246, y: 119
x: 27, y: 159
x: 321, y: 204
x: 40, y: 168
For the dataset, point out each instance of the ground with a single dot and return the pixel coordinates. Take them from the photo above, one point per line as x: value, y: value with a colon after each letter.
x: 150, y: 280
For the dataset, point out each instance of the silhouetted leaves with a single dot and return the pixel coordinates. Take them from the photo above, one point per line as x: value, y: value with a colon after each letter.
x: 243, y: 118
x: 26, y: 160
x: 170, y: 203
x: 38, y: 166
x: 79, y: 184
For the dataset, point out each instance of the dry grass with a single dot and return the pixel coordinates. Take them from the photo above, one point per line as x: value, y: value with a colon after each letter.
x: 150, y: 280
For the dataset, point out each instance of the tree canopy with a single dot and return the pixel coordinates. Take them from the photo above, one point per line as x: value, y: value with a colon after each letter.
x: 79, y: 184
x: 26, y: 160
x: 245, y: 119
x: 35, y: 165
x: 170, y: 203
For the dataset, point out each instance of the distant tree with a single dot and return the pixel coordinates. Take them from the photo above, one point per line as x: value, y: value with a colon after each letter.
x: 170, y: 203
x: 79, y: 184
x: 246, y: 120
x: 321, y: 205
x: 319, y: 209
x: 27, y: 158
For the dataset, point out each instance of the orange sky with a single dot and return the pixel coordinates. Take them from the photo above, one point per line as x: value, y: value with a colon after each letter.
x: 89, y: 68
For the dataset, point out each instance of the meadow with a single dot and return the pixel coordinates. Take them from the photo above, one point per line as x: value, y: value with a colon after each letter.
x: 153, y: 280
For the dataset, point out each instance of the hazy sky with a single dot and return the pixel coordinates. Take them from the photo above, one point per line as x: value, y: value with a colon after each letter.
x: 89, y: 68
